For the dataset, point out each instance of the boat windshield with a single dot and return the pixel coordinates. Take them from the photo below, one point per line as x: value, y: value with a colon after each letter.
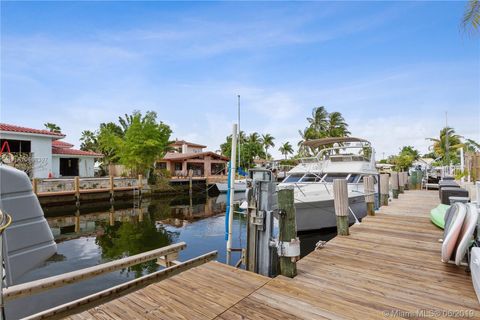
x: 352, y: 178
x: 332, y: 176
x: 311, y: 178
x: 294, y: 177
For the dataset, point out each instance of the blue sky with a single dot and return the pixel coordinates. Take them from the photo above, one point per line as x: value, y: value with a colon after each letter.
x: 391, y: 68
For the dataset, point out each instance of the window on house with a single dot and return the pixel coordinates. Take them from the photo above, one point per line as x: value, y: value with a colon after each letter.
x: 16, y: 145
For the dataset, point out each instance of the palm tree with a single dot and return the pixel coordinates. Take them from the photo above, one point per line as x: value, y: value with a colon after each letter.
x: 337, y: 127
x: 472, y: 145
x: 89, y: 141
x: 126, y: 121
x: 319, y: 121
x: 253, y: 138
x: 443, y: 147
x: 52, y: 127
x: 267, y: 141
x: 471, y: 18
x: 286, y: 149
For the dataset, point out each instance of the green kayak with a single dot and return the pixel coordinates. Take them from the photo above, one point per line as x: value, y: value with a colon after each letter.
x: 437, y: 215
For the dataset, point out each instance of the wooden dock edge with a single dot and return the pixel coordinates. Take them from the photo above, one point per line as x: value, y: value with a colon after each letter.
x: 95, y: 299
x: 37, y: 286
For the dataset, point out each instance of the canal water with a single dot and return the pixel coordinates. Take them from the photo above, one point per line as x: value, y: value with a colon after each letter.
x: 98, y: 233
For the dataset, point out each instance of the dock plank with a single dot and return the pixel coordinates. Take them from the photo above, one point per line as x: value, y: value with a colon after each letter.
x: 389, y: 263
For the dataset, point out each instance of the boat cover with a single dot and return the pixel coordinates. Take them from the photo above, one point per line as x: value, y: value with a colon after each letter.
x: 28, y: 241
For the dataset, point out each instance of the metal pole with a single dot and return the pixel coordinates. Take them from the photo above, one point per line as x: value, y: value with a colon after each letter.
x: 447, y: 142
x: 239, y: 133
x: 233, y: 169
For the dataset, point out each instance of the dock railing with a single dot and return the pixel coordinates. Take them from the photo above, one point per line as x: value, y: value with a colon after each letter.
x: 46, y: 187
x: 165, y: 257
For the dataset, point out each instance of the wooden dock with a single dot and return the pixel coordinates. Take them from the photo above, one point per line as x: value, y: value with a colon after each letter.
x: 389, y: 267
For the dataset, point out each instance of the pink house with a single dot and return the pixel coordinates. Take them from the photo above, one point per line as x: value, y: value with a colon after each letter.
x: 187, y: 156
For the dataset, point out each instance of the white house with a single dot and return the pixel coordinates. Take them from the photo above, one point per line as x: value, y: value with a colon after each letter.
x: 41, y: 153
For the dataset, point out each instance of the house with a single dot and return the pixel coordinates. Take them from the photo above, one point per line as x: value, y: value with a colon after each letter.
x: 186, y: 156
x: 42, y: 154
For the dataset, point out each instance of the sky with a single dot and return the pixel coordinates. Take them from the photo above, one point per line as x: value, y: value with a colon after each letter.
x: 393, y: 69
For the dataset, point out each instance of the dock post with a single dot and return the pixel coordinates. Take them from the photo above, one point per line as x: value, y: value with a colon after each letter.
x: 112, y: 189
x: 77, y: 189
x: 394, y: 181
x: 384, y: 187
x: 419, y: 180
x: 190, y: 183
x: 111, y: 215
x: 340, y: 199
x: 401, y: 183
x: 251, y: 254
x: 35, y: 185
x: 369, y: 190
x: 287, y: 229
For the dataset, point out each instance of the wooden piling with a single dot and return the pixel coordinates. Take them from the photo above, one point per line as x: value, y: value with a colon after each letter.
x: 140, y: 182
x: 190, y: 182
x: 76, y: 182
x: 35, y: 185
x: 401, y: 184
x: 112, y: 188
x: 340, y: 197
x: 384, y: 189
x: 369, y: 190
x: 394, y: 182
x: 406, y: 180
x: 287, y: 229
x: 418, y: 182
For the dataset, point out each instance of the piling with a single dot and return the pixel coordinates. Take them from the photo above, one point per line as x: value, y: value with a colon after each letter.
x: 111, y: 216
x: 287, y: 229
x: 394, y: 181
x: 401, y: 184
x: 369, y: 189
x: 406, y: 180
x: 384, y: 188
x: 112, y: 188
x: 76, y: 182
x: 340, y: 197
x: 35, y: 185
x: 418, y: 184
x: 190, y: 181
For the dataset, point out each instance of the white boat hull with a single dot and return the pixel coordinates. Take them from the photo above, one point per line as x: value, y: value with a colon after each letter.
x: 315, y: 215
x: 239, y: 187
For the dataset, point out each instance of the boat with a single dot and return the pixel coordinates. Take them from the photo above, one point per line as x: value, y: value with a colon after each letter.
x: 28, y: 242
x: 240, y: 186
x: 346, y: 158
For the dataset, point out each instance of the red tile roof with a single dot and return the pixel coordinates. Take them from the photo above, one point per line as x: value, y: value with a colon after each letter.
x: 75, y: 152
x: 61, y: 144
x: 179, y: 143
x: 189, y: 155
x: 13, y: 128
